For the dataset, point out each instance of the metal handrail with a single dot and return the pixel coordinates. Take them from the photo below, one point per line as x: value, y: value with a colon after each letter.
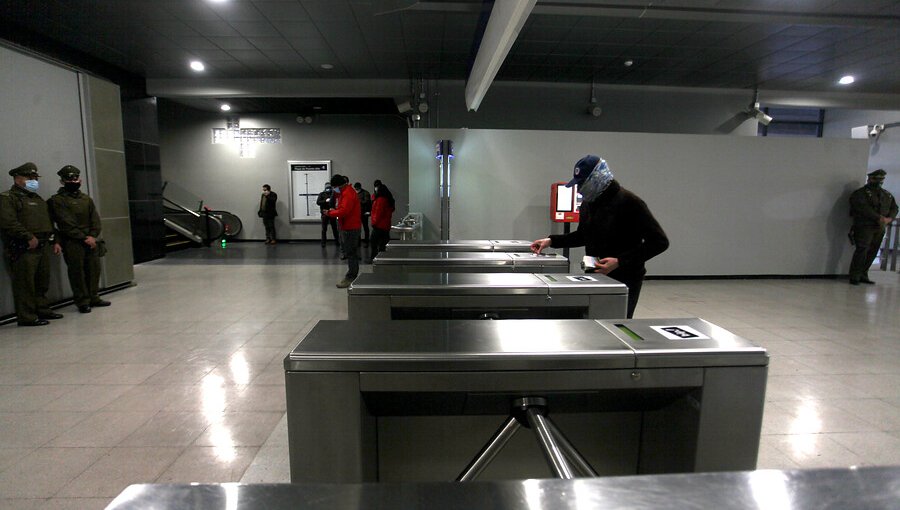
x: 181, y: 207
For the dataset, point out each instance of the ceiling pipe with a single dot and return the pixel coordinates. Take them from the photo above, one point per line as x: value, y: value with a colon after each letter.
x: 507, y: 19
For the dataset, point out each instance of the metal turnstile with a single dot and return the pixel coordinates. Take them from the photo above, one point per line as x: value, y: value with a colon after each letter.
x: 410, y: 261
x: 395, y: 295
x: 416, y: 400
x: 862, y: 488
x: 475, y: 245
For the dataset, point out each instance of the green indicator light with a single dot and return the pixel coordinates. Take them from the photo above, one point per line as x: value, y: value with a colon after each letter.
x: 630, y: 333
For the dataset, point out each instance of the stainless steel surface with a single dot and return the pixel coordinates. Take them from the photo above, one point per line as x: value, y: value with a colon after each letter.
x: 447, y: 283
x: 459, y: 346
x: 511, y: 245
x: 479, y: 261
x: 506, y: 431
x: 440, y: 245
x: 579, y: 283
x: 719, y: 348
x: 865, y: 488
x: 551, y: 450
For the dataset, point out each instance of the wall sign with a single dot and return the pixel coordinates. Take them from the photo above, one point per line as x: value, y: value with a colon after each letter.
x: 308, y: 179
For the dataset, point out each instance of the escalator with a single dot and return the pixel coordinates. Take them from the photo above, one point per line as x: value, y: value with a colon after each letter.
x: 188, y: 228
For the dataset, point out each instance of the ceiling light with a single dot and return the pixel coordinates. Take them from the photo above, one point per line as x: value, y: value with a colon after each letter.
x: 327, y: 66
x: 629, y: 63
x: 225, y: 107
x: 846, y: 80
x: 198, y: 66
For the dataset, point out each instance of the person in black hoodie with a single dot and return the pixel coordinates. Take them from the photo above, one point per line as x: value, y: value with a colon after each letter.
x: 267, y: 212
x: 615, y: 227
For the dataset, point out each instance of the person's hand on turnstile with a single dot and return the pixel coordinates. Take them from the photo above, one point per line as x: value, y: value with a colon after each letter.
x: 540, y: 245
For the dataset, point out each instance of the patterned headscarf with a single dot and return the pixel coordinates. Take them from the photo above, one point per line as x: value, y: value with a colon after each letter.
x: 597, y: 182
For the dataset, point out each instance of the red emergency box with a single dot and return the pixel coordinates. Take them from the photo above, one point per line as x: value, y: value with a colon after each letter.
x: 564, y: 203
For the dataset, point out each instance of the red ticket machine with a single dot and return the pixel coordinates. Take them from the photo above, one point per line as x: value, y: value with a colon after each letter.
x: 564, y: 203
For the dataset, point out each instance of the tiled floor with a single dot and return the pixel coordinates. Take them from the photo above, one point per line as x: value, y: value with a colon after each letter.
x: 181, y: 379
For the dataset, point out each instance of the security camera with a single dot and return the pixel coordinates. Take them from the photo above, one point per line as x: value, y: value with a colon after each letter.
x: 762, y: 117
x: 876, y: 130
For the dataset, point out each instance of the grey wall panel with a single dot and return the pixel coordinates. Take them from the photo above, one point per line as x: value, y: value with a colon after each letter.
x: 111, y: 188
x: 106, y: 115
x: 40, y: 121
x: 364, y: 148
x: 118, y: 265
x: 884, y: 152
x: 730, y: 205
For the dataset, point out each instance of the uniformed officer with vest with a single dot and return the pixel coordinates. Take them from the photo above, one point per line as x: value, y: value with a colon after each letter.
x: 28, y: 241
x: 872, y: 209
x: 78, y: 226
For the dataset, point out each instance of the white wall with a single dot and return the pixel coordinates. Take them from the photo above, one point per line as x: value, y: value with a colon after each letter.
x: 883, y: 152
x: 40, y: 121
x: 364, y: 148
x: 730, y: 205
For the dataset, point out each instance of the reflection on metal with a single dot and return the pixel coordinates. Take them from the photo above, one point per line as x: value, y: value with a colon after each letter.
x: 869, y: 488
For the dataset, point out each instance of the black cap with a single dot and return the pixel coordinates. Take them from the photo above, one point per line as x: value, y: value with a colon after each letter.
x: 69, y: 173
x: 337, y: 180
x: 25, y: 170
x: 877, y: 173
x: 583, y: 169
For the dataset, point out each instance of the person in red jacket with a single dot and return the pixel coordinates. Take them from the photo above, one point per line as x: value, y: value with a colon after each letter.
x: 382, y: 209
x: 348, y: 216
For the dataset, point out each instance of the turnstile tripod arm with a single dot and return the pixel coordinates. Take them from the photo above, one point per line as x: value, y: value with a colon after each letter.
x: 490, y: 450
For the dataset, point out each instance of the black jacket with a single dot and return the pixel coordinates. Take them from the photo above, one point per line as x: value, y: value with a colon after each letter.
x: 617, y: 224
x: 267, y: 205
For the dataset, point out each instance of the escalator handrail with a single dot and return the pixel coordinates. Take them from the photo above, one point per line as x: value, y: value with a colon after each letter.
x: 181, y: 207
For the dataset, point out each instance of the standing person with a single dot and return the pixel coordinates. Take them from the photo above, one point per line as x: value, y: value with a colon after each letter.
x: 615, y: 226
x: 872, y: 208
x: 78, y: 224
x: 325, y: 201
x: 382, y: 209
x: 365, y: 208
x: 27, y: 234
x: 267, y: 212
x: 348, y: 216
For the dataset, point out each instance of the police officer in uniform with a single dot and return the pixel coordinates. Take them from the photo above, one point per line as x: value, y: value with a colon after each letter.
x: 27, y: 235
x: 872, y: 208
x: 78, y: 225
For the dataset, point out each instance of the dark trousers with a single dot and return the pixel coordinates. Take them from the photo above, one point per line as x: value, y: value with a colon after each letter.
x: 350, y: 245
x: 867, y: 240
x: 365, y: 225
x: 30, y: 275
x: 634, y: 284
x: 334, y: 229
x: 379, y: 242
x: 83, y: 267
x: 269, y: 223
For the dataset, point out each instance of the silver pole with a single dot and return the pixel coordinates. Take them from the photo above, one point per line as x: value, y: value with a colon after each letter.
x: 490, y: 450
x: 571, y: 453
x: 558, y: 463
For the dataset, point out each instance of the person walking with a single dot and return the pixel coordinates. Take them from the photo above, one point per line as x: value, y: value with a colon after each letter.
x: 348, y: 216
x: 873, y: 209
x: 615, y: 226
x: 365, y: 208
x: 78, y: 224
x: 325, y: 201
x: 267, y: 202
x: 382, y: 209
x: 28, y: 241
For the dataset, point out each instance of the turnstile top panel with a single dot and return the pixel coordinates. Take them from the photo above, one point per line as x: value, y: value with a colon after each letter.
x: 440, y: 245
x: 395, y: 284
x: 458, y: 346
x: 685, y: 342
x: 870, y: 488
x: 580, y: 283
x: 543, y: 259
x: 431, y: 258
x: 511, y: 245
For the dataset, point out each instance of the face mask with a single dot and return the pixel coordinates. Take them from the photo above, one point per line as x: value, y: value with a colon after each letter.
x: 376, y: 189
x: 876, y: 184
x: 597, y: 182
x: 72, y: 187
x: 32, y: 185
x: 337, y: 191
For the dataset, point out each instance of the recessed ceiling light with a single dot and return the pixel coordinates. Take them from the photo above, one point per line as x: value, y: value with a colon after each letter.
x: 225, y: 107
x: 629, y: 63
x: 846, y: 80
x: 327, y: 66
x: 198, y: 66
x: 317, y: 107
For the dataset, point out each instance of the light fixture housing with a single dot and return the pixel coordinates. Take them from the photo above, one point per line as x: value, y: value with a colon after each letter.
x: 198, y: 66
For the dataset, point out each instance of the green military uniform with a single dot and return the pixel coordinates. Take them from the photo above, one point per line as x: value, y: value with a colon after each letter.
x: 23, y: 216
x: 76, y: 219
x: 867, y: 206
